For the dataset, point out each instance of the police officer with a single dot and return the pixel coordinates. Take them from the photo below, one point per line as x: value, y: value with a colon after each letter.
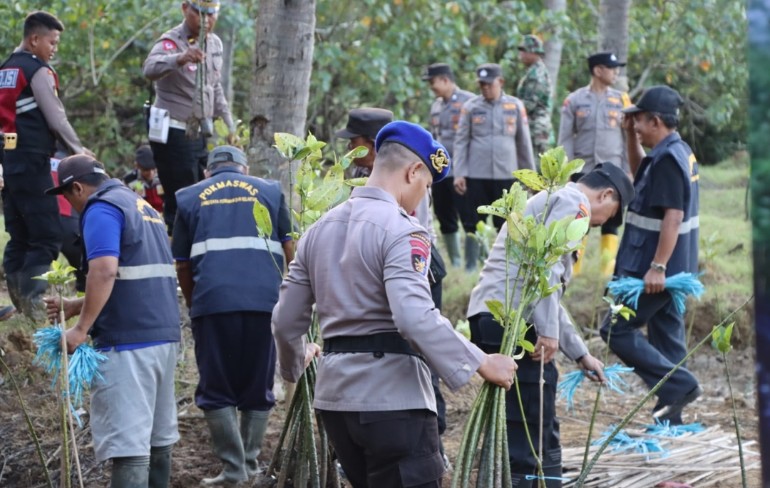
x: 599, y: 196
x: 31, y: 108
x: 181, y: 70
x: 361, y: 130
x: 364, y: 264
x: 535, y: 91
x: 130, y: 311
x: 444, y: 117
x: 590, y: 129
x: 492, y: 141
x: 660, y: 240
x: 229, y: 276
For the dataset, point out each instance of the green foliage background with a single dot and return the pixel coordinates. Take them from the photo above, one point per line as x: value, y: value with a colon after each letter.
x: 372, y: 52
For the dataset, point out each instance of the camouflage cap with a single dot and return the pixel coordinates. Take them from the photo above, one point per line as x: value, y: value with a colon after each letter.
x: 532, y: 44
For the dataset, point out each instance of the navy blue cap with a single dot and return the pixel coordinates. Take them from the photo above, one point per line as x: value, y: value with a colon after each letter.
x: 488, y: 72
x: 437, y: 69
x: 659, y: 99
x: 72, y: 168
x: 420, y: 142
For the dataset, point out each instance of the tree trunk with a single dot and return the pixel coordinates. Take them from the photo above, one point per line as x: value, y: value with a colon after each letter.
x: 282, y: 66
x: 553, y: 45
x: 613, y: 33
x: 227, y: 34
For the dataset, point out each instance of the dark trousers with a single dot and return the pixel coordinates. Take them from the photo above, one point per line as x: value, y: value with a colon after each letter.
x: 180, y: 163
x: 449, y: 207
x: 31, y: 216
x: 390, y: 449
x: 235, y: 354
x: 487, y: 334
x: 481, y: 191
x: 72, y: 247
x: 656, y: 355
x: 436, y: 294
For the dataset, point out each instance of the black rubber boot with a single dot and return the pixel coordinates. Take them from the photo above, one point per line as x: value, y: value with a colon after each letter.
x: 552, y: 468
x: 471, y: 253
x: 253, y: 427
x: 227, y: 445
x: 130, y: 472
x: 160, y: 466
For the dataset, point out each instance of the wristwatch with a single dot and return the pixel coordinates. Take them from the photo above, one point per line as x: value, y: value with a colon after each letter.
x: 660, y: 268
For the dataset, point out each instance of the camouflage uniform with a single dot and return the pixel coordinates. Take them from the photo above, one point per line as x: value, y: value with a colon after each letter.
x: 535, y: 91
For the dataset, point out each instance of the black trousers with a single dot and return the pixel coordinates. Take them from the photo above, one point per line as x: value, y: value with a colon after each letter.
x: 180, y: 163
x: 450, y: 207
x: 31, y: 216
x: 482, y: 191
x: 387, y: 449
x: 487, y: 334
x: 235, y: 353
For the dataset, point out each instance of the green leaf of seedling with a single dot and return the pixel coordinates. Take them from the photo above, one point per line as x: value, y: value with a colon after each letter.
x: 551, y: 162
x: 570, y: 168
x: 262, y: 218
x: 497, y: 310
x: 335, y: 174
x: 491, y: 210
x: 527, y: 345
x: 294, y: 235
x: 517, y: 231
x: 464, y: 328
x: 626, y: 312
x: 720, y: 338
x: 357, y: 152
x: 356, y: 181
x: 324, y: 196
x: 577, y: 229
x: 59, y: 274
x: 530, y: 179
x: 287, y: 144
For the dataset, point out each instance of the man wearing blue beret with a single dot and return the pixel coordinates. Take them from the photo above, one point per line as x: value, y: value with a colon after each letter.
x: 379, y: 326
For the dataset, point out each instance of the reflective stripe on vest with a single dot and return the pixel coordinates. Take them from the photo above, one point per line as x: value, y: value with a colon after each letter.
x: 229, y: 243
x: 146, y: 271
x: 654, y: 225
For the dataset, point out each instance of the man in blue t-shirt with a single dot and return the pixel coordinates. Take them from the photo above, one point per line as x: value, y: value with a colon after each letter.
x: 128, y: 262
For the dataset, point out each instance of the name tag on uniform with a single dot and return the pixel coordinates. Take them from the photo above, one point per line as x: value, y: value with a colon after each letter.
x: 159, y: 122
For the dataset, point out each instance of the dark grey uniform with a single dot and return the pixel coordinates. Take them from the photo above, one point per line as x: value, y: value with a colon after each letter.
x: 550, y: 320
x: 364, y: 264
x: 492, y: 141
x: 182, y: 158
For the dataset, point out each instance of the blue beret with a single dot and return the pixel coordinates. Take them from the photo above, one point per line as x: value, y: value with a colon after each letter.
x: 420, y: 142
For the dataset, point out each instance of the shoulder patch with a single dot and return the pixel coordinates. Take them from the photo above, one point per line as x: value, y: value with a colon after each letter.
x: 169, y: 45
x: 583, y: 212
x: 626, y: 100
x: 420, y: 252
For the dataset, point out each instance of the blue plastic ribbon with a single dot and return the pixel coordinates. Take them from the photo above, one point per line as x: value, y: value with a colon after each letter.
x: 572, y: 381
x: 665, y: 429
x: 623, y: 442
x: 83, y: 364
x: 680, y: 286
x: 531, y: 477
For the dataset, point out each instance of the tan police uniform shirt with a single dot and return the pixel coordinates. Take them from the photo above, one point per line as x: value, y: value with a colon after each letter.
x: 445, y: 117
x: 549, y: 316
x: 364, y: 265
x: 175, y: 85
x: 590, y: 127
x: 492, y: 139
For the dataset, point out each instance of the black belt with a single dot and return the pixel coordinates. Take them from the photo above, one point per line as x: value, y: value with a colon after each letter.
x: 378, y: 344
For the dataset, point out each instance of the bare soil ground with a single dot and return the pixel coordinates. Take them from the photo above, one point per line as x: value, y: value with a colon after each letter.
x: 193, y: 460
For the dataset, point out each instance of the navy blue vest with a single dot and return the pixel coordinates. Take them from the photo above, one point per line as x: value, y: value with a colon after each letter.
x: 18, y: 108
x: 642, y: 231
x: 234, y: 269
x: 143, y: 304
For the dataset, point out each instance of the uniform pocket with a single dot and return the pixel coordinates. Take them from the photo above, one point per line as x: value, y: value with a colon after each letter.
x: 419, y: 471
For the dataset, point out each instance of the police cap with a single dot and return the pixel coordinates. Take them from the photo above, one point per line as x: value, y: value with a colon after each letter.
x: 365, y: 122
x: 488, y: 72
x: 144, y: 157
x: 437, y: 69
x: 532, y: 44
x: 73, y: 168
x: 209, y: 7
x: 607, y: 59
x: 420, y: 142
x: 620, y: 182
x: 660, y: 99
x: 227, y: 154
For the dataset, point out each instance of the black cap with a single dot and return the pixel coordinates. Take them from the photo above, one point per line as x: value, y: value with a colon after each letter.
x: 622, y: 184
x: 660, y: 99
x: 607, y: 59
x: 73, y: 168
x: 488, y: 72
x: 437, y: 69
x: 365, y: 122
x: 144, y: 158
x: 227, y: 154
